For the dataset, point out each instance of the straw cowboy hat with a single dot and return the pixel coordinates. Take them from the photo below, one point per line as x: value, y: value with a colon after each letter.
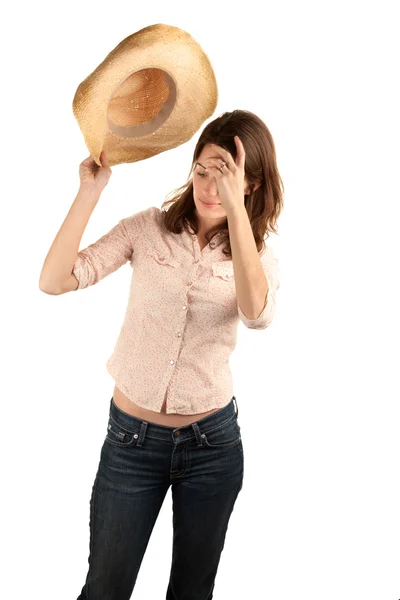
x: 151, y: 93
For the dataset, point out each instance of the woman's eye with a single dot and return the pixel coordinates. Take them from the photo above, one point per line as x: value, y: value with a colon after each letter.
x: 201, y: 174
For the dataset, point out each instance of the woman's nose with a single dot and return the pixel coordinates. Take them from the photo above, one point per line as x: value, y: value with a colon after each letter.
x: 212, y: 187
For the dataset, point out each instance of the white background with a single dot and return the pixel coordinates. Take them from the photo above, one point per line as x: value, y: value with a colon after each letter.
x: 318, y: 391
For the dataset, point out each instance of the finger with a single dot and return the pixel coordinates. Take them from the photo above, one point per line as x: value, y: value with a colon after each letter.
x: 215, y: 169
x: 241, y: 154
x: 218, y: 165
x: 225, y: 155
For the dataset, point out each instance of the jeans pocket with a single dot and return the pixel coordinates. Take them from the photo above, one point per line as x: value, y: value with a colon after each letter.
x: 117, y: 435
x: 226, y: 435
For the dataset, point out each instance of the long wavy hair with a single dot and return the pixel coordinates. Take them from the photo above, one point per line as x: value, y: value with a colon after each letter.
x: 263, y: 205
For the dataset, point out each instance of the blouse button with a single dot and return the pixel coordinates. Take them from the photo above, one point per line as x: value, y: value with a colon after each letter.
x: 172, y: 362
x: 184, y: 307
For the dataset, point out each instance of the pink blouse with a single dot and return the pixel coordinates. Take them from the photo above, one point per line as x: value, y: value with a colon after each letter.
x: 180, y: 325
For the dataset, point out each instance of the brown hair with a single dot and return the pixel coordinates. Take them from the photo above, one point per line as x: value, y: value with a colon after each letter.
x: 263, y: 205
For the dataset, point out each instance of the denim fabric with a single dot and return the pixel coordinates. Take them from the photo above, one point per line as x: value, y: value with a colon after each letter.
x: 202, y: 462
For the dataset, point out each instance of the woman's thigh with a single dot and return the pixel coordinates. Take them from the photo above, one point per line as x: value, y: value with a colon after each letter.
x: 204, y: 496
x: 129, y: 489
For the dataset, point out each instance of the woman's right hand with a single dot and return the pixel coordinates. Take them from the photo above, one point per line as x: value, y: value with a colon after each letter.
x: 92, y: 175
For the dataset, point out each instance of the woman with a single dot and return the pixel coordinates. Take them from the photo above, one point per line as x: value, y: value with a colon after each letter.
x: 198, y: 269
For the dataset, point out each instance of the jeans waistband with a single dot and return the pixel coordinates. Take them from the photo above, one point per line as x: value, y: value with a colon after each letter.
x: 184, y: 432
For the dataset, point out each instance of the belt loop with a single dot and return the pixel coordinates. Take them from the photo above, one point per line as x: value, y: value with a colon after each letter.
x: 236, y: 406
x: 142, y: 434
x: 199, y: 437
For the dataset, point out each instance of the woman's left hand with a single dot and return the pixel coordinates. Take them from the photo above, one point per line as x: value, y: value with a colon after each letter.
x: 230, y: 180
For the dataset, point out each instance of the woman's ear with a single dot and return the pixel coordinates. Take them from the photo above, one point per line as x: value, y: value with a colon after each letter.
x: 247, y: 190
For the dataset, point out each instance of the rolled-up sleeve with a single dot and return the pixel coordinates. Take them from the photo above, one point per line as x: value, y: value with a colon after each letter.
x: 104, y: 256
x: 271, y: 270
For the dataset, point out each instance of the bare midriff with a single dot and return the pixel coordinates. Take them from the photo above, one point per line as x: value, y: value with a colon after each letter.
x: 162, y: 418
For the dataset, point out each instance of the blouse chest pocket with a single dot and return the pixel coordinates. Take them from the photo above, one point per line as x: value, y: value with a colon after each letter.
x: 222, y: 277
x: 166, y: 260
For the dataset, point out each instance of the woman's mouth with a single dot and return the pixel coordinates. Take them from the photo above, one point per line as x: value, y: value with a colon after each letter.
x: 210, y: 205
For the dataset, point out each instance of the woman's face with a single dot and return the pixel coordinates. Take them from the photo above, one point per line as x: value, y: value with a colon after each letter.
x: 205, y: 190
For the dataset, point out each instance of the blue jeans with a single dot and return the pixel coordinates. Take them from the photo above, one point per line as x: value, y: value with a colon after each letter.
x: 139, y: 461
